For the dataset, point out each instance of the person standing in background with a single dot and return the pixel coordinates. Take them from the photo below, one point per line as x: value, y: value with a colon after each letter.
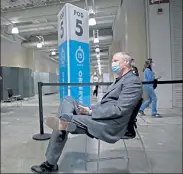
x: 149, y: 88
x: 156, y: 78
x: 95, y: 79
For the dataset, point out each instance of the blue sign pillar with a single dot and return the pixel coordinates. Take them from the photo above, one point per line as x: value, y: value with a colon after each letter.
x: 74, y: 53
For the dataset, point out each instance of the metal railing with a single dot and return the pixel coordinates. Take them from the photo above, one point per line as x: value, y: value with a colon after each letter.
x: 46, y: 136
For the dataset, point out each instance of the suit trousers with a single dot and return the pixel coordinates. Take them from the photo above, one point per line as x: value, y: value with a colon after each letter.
x: 68, y: 107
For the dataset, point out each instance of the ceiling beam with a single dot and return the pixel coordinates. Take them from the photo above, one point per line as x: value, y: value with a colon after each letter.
x: 103, y: 8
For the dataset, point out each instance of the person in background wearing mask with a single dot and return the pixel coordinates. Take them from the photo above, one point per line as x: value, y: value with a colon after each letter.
x: 149, y: 88
x: 108, y: 120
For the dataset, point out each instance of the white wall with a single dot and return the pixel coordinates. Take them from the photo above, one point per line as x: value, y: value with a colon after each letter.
x: 159, y: 39
x: 12, y: 54
x: 130, y: 30
x: 136, y: 44
x: 43, y: 64
x: 114, y: 48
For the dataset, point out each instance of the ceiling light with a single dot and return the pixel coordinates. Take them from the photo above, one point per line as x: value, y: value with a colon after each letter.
x: 98, y: 56
x: 14, y: 30
x: 92, y: 21
x: 97, y: 49
x: 39, y: 45
x: 96, y: 40
x: 53, y: 53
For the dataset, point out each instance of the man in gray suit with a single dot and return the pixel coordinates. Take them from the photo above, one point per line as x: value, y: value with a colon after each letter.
x: 107, y: 120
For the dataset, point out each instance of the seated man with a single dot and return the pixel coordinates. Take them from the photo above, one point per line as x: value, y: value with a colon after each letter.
x: 107, y: 120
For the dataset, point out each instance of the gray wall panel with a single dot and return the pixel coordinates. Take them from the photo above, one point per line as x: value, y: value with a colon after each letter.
x: 21, y: 81
x: 26, y: 83
x: 46, y: 78
x: 18, y: 79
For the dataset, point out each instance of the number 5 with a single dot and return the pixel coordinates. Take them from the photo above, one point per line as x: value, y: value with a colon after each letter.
x: 78, y: 25
x: 62, y: 30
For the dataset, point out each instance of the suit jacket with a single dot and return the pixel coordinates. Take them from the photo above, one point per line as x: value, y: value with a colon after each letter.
x: 111, y: 116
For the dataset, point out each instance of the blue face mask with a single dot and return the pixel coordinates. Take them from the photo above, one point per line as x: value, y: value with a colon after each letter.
x: 116, y: 67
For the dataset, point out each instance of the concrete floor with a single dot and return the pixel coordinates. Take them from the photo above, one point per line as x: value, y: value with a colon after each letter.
x: 162, y: 138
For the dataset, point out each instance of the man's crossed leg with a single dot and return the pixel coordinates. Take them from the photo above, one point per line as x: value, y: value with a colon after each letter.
x: 69, y: 121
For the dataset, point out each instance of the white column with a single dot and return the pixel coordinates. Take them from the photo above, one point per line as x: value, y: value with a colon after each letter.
x: 160, y: 49
x: 74, y: 55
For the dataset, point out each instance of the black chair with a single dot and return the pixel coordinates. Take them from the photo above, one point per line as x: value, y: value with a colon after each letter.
x: 12, y: 97
x: 130, y: 134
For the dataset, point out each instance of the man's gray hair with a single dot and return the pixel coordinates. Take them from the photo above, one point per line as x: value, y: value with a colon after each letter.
x: 125, y: 56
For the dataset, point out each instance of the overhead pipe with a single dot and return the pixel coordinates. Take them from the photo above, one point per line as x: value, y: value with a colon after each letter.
x: 102, y: 61
x: 36, y: 29
x: 53, y: 59
x: 107, y: 22
x: 37, y: 6
x: 22, y: 38
x: 102, y: 38
x: 8, y: 39
x: 37, y: 25
x: 95, y: 66
x: 102, y: 64
x: 102, y: 54
x: 101, y: 45
x: 100, y: 20
x: 101, y: 58
x: 55, y: 42
x: 53, y: 25
x: 34, y: 44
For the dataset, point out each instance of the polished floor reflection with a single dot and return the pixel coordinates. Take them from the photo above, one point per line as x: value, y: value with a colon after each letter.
x: 162, y: 138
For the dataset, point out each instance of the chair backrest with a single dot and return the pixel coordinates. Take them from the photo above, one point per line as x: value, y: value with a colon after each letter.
x: 133, y: 118
x: 10, y: 92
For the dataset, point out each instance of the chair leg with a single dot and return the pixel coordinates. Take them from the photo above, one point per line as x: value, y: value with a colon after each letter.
x: 86, y: 155
x: 98, y: 157
x: 16, y: 102
x: 125, y: 149
x: 147, y: 159
x: 11, y: 101
x: 127, y: 156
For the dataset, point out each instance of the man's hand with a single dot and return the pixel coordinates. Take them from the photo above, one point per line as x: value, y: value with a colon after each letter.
x: 84, y: 110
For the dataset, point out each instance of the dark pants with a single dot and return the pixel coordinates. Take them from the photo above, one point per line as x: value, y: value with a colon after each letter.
x: 95, y: 92
x: 59, y: 138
